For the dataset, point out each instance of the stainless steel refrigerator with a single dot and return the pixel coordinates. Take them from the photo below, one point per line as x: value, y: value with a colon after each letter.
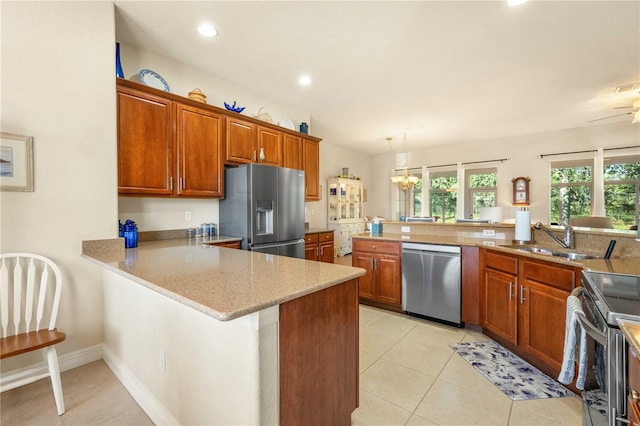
x: 265, y: 206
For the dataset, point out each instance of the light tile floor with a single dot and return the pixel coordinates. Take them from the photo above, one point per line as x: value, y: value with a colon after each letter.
x: 408, y: 376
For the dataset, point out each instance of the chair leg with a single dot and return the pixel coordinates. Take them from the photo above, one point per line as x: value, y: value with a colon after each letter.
x: 51, y: 356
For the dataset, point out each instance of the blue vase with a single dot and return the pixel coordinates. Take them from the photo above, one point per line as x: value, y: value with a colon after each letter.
x: 119, y: 72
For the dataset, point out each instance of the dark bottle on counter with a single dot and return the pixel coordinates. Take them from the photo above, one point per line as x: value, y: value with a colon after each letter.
x: 130, y: 234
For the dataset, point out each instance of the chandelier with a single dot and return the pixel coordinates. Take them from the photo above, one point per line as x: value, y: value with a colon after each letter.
x: 405, y: 180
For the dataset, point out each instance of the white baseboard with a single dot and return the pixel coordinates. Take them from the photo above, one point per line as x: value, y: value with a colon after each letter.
x: 151, y: 406
x: 145, y: 399
x: 24, y: 376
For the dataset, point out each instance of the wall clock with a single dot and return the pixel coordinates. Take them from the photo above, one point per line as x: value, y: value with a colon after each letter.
x: 521, y: 191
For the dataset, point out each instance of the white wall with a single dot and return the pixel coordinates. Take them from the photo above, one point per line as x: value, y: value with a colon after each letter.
x: 58, y: 86
x: 523, y: 153
x: 203, y: 371
x: 332, y: 159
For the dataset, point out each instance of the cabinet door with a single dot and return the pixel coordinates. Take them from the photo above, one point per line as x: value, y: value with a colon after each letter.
x: 542, y: 315
x: 367, y: 281
x: 500, y: 304
x: 292, y: 152
x: 310, y: 251
x: 326, y: 252
x: 145, y: 143
x: 388, y: 284
x: 311, y: 170
x: 269, y: 141
x: 241, y: 141
x: 199, y: 142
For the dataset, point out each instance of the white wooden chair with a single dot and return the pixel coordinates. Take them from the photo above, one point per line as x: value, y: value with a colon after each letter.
x: 25, y: 305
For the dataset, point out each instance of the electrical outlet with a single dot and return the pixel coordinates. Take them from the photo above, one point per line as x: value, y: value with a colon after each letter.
x: 488, y: 232
x: 187, y: 216
x: 405, y: 229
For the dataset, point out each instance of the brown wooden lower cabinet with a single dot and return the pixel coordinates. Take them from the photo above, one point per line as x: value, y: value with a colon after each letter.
x: 319, y: 246
x: 319, y: 357
x: 382, y: 283
x: 470, y: 285
x: 523, y: 306
x: 233, y: 244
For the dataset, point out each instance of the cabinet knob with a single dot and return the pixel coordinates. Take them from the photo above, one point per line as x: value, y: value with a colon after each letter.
x: 635, y: 395
x: 373, y: 246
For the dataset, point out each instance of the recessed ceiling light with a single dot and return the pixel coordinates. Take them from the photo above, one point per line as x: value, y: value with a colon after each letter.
x: 513, y: 3
x: 304, y: 80
x: 207, y: 30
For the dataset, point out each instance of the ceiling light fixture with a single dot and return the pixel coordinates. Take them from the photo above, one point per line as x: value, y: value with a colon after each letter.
x: 513, y: 3
x: 207, y: 30
x: 304, y: 80
x: 405, y: 180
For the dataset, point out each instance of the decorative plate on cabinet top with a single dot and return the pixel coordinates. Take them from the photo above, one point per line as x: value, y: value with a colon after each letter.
x: 153, y: 79
x: 286, y: 123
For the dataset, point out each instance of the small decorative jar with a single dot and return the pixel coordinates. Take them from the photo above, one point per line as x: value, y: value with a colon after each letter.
x: 198, y: 96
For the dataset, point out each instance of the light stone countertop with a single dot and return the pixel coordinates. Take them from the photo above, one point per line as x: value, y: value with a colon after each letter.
x: 220, y: 282
x: 631, y: 331
x: 619, y: 265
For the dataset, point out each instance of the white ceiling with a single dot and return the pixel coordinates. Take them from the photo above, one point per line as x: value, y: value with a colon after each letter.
x: 443, y: 71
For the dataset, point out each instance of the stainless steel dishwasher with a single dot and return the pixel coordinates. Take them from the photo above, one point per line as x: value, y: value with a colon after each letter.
x: 431, y: 282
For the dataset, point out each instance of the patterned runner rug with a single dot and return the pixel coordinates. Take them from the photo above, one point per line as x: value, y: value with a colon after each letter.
x: 515, y: 377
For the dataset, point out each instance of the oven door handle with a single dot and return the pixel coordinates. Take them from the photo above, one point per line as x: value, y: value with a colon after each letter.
x: 591, y: 330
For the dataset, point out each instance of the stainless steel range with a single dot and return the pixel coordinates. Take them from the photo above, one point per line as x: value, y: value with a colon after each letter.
x: 606, y: 297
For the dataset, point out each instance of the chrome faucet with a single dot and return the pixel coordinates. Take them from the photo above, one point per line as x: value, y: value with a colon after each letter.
x: 568, y: 235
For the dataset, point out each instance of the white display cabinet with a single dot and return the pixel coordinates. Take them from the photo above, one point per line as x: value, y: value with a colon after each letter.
x: 345, y: 211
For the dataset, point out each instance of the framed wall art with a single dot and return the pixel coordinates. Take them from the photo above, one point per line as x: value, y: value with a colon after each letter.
x: 16, y: 162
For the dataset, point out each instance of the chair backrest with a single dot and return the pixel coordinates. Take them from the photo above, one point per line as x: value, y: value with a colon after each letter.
x: 591, y: 221
x: 27, y: 297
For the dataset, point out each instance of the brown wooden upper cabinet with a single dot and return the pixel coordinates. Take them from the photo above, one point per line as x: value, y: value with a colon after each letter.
x: 248, y: 142
x: 167, y: 148
x: 241, y: 141
x: 145, y: 143
x: 311, y: 155
x: 292, y: 152
x: 199, y: 146
x: 173, y: 146
x: 269, y: 146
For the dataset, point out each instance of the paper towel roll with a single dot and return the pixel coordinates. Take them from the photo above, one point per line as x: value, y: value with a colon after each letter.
x: 523, y: 225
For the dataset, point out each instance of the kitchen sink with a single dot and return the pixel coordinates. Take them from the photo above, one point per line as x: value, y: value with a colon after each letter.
x: 549, y: 252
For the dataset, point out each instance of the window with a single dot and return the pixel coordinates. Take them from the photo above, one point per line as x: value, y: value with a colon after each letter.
x: 482, y: 188
x: 443, y: 195
x: 417, y: 198
x: 621, y: 190
x: 571, y: 188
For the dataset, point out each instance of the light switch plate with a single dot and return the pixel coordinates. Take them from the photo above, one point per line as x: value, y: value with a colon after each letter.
x: 488, y: 232
x: 405, y: 229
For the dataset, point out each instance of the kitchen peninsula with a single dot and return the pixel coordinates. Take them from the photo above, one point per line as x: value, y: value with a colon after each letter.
x: 208, y: 335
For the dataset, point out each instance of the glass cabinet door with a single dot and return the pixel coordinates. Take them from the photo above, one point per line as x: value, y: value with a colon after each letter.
x: 345, y: 199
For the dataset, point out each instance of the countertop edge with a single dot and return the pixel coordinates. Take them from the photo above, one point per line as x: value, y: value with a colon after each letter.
x: 114, y: 253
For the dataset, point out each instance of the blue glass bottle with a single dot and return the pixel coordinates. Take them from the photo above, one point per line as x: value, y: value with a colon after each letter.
x: 119, y: 71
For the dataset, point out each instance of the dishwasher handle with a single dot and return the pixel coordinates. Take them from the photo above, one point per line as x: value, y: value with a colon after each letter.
x: 437, y: 248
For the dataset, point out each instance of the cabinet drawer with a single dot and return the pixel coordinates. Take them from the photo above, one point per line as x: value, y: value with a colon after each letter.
x: 377, y: 246
x: 311, y: 238
x: 501, y: 262
x: 325, y: 236
x: 551, y: 274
